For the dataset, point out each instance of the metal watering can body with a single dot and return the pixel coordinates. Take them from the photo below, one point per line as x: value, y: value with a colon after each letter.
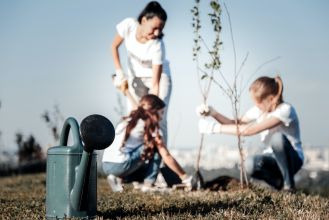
x: 71, y: 177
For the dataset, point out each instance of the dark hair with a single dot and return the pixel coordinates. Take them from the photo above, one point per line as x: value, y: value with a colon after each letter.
x: 148, y: 112
x: 151, y: 10
x: 265, y: 86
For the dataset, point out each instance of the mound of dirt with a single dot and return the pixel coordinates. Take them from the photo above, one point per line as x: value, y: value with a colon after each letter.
x: 223, y: 183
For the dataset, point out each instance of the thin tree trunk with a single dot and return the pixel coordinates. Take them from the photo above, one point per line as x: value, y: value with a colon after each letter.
x: 243, y: 175
x: 197, y: 167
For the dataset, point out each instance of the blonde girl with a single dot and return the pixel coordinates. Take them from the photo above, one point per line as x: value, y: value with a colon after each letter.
x: 277, y: 123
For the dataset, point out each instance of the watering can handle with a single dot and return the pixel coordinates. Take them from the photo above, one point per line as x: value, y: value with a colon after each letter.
x: 72, y: 124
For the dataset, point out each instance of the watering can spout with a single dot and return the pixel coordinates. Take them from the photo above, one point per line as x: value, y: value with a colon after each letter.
x: 79, y: 193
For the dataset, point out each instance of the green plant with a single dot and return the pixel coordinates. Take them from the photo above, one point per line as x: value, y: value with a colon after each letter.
x: 213, y: 65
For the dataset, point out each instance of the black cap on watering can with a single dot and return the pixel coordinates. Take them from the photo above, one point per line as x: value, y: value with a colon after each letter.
x: 72, y: 171
x: 97, y: 132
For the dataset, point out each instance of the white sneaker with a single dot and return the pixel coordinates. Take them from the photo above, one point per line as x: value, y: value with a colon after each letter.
x: 137, y: 185
x: 115, y: 183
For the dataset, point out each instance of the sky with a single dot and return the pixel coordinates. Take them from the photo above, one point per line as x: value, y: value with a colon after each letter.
x: 57, y: 53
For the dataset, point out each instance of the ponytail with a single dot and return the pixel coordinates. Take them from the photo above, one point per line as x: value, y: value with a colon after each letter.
x: 278, y: 97
x: 151, y: 10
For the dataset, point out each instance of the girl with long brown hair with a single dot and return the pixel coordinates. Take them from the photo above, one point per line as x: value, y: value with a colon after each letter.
x: 277, y: 123
x: 138, y: 147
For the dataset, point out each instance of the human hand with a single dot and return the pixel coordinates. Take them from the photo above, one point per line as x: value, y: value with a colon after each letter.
x: 120, y: 73
x: 124, y: 87
x: 203, y: 110
x: 187, y: 181
x: 120, y: 81
x: 118, y: 78
x: 208, y: 127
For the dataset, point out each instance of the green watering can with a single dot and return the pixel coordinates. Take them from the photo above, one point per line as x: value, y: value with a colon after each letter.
x: 72, y: 171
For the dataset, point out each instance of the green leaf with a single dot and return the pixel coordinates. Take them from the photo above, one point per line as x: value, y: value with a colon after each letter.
x: 214, y: 5
x: 204, y: 76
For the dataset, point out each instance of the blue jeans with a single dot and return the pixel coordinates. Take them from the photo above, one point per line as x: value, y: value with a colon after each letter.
x: 135, y: 169
x: 277, y: 169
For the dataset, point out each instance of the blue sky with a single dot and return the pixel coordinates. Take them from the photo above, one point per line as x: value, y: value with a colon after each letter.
x: 57, y: 53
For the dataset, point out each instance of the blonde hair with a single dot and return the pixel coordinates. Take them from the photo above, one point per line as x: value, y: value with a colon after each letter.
x: 265, y: 86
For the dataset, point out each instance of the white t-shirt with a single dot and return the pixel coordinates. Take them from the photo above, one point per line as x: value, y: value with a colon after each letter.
x: 116, y: 152
x: 141, y: 56
x: 289, y: 127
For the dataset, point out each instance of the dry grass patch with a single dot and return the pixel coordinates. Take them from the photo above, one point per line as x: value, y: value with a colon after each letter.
x: 23, y: 197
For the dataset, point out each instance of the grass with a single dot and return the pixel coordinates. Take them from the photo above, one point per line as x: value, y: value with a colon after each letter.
x: 23, y: 197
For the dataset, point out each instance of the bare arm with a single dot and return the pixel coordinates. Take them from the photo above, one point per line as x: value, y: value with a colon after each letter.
x: 223, y: 119
x: 116, y: 58
x: 115, y: 51
x: 171, y: 162
x: 157, y: 70
x: 250, y: 128
x: 246, y: 127
x: 219, y: 117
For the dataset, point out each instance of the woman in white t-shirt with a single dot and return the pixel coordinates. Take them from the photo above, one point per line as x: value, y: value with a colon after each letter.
x: 148, y: 69
x: 277, y: 123
x: 136, y: 152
